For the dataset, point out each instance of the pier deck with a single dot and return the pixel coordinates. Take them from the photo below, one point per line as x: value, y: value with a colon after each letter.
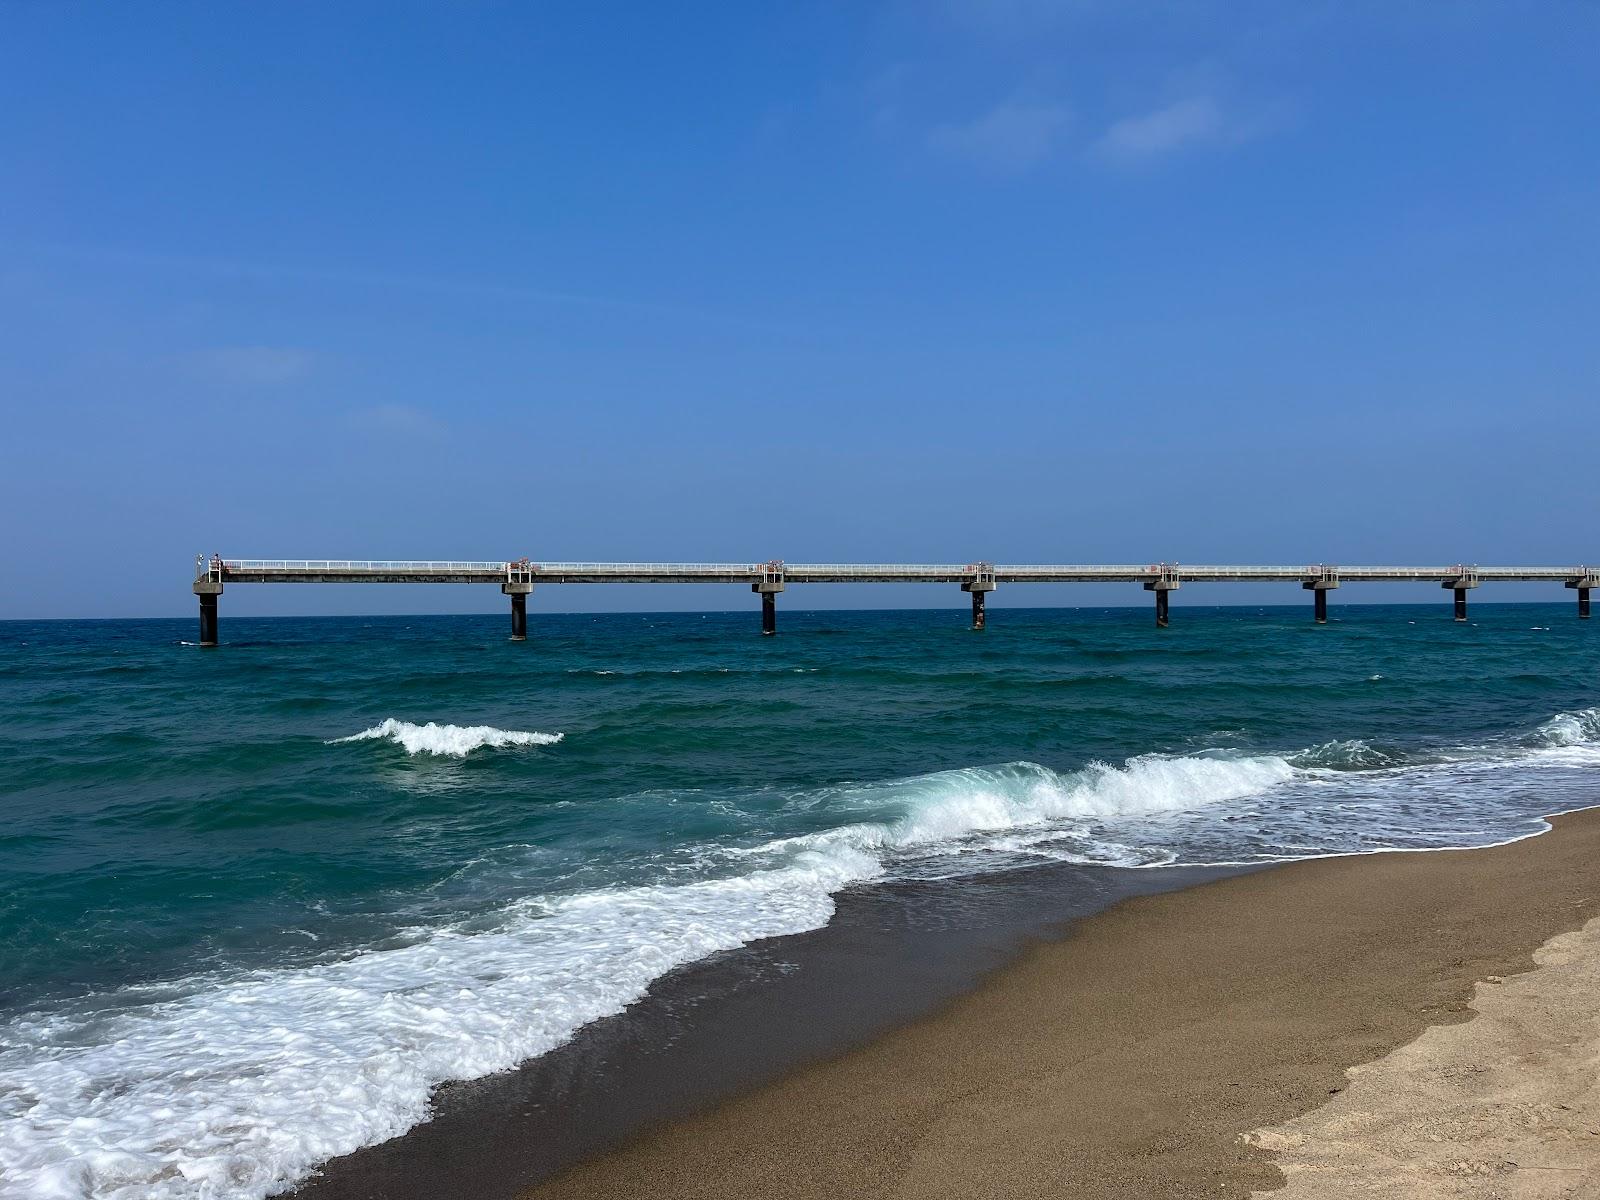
x: 518, y: 577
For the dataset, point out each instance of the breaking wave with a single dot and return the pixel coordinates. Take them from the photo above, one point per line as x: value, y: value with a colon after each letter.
x: 449, y: 741
x: 1571, y: 728
x: 943, y: 810
x: 240, y: 1084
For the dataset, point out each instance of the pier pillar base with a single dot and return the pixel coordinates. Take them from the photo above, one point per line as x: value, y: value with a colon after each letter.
x: 980, y: 582
x: 208, y: 590
x: 1319, y: 587
x: 519, y: 593
x: 1461, y: 581
x: 770, y: 584
x: 1582, y: 585
x: 208, y: 620
x: 1167, y: 581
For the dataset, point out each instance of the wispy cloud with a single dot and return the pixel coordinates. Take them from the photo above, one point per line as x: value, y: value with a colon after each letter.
x: 248, y: 366
x: 1195, y: 122
x: 1010, y: 137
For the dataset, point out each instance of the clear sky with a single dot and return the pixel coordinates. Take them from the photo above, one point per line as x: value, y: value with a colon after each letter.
x: 1088, y: 280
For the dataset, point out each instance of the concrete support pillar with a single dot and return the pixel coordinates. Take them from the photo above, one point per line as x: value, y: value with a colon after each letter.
x: 1582, y: 585
x: 208, y: 620
x: 979, y: 582
x: 1166, y: 580
x: 1463, y: 580
x: 208, y: 590
x: 519, y: 593
x: 768, y: 586
x: 1323, y: 580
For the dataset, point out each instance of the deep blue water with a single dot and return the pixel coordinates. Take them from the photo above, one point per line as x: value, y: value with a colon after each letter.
x: 233, y: 945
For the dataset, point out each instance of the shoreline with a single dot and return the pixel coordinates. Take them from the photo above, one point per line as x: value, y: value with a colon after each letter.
x: 713, y: 1030
x: 1130, y: 1057
x: 708, y: 1087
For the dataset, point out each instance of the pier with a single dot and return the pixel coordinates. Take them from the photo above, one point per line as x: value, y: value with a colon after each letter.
x: 517, y: 579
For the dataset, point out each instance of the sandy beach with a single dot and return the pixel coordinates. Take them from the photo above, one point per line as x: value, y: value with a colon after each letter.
x: 1133, y: 1056
x: 1505, y: 1106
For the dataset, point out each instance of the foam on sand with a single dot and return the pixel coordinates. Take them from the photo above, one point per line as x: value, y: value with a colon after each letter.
x: 235, y: 1087
x: 238, y: 1086
x: 450, y: 741
x: 238, y: 1083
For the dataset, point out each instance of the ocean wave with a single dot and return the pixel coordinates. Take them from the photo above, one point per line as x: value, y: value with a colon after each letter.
x: 1352, y: 754
x: 1571, y: 728
x: 948, y: 811
x: 952, y: 805
x: 450, y: 741
x: 242, y: 1086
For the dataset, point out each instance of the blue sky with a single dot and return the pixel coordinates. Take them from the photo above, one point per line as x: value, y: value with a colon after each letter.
x: 1088, y: 280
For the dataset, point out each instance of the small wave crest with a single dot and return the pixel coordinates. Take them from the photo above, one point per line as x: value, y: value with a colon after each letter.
x: 449, y: 741
x: 1352, y: 754
x: 1571, y: 728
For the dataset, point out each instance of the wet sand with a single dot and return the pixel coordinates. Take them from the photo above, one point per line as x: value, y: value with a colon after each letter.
x: 1130, y: 1057
x: 721, y: 1027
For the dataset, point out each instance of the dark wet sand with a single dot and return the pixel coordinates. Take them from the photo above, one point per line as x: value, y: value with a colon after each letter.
x: 724, y: 1026
x: 1127, y: 1058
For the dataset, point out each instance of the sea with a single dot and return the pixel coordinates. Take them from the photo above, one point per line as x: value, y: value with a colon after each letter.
x: 258, y: 902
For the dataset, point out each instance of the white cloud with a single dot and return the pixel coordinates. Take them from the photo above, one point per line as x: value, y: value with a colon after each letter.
x: 248, y: 366
x: 1009, y: 137
x: 1192, y: 123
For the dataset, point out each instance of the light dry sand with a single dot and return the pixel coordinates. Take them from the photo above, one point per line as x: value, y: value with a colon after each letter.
x: 1504, y: 1107
x: 1127, y: 1060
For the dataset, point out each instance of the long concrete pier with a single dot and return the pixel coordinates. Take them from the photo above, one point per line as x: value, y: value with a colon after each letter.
x: 518, y: 577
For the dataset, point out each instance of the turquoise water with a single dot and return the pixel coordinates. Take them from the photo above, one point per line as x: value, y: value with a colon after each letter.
x: 253, y: 907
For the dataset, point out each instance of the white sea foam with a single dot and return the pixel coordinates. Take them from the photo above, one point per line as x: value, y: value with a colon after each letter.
x: 1571, y: 728
x: 238, y: 1086
x: 243, y: 1085
x: 952, y: 805
x: 951, y: 811
x: 450, y: 741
